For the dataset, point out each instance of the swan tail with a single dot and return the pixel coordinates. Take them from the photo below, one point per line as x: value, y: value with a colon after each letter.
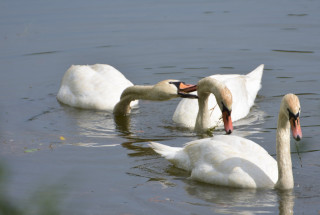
x: 176, y: 155
x: 256, y: 74
x: 254, y: 83
x: 166, y: 151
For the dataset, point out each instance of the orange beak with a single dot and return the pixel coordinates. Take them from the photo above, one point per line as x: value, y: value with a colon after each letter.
x: 226, y: 116
x: 295, y: 128
x: 187, y: 88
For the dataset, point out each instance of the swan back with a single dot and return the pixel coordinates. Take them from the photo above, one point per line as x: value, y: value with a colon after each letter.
x: 97, y: 87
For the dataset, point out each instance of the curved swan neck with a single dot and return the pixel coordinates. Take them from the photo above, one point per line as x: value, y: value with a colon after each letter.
x: 203, y: 117
x: 205, y: 87
x: 130, y: 94
x: 285, y: 175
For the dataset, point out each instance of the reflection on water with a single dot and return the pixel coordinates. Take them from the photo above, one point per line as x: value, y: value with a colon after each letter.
x: 96, y: 124
x: 286, y: 202
x: 233, y: 201
x: 242, y: 201
x: 248, y: 125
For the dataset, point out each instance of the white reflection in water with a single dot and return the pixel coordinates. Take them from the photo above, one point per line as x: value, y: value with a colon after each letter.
x: 95, y: 128
x: 251, y: 124
x: 95, y: 124
x: 94, y: 145
x: 242, y: 201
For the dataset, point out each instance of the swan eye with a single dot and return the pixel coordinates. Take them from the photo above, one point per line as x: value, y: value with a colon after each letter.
x: 224, y: 108
x: 175, y: 83
x: 294, y: 116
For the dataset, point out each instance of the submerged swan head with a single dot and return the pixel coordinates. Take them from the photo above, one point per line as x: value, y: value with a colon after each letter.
x: 290, y: 109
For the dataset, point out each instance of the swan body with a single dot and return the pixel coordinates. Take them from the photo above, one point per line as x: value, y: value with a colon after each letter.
x: 244, y: 89
x: 96, y: 87
x: 102, y: 87
x: 234, y: 161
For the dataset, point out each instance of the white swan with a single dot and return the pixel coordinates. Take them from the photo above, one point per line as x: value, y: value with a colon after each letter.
x: 238, y: 162
x: 100, y: 87
x: 244, y: 89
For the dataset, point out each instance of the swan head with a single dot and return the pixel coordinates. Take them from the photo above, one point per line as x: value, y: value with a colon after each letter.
x: 225, y: 105
x: 169, y: 89
x: 291, y: 109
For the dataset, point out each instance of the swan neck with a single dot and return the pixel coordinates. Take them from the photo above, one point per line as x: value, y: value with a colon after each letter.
x: 285, y: 175
x: 206, y: 86
x: 203, y: 117
x: 130, y: 94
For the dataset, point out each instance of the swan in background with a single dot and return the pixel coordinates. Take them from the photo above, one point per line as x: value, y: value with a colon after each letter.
x: 96, y: 87
x: 102, y: 87
x: 244, y: 89
x: 223, y: 96
x: 234, y: 161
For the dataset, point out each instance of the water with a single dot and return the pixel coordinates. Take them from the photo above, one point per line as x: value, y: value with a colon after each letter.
x: 99, y: 167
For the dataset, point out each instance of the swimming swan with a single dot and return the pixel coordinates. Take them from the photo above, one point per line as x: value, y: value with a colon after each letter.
x: 234, y: 161
x: 244, y: 89
x: 100, y: 87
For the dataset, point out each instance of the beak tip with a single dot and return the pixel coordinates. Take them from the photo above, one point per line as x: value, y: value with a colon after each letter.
x: 229, y: 131
x: 298, y: 137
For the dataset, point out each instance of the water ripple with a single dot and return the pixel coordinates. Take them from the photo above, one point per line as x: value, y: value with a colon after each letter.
x: 293, y: 51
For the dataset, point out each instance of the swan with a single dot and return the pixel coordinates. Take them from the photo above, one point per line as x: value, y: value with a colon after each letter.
x: 234, y: 161
x: 100, y: 87
x: 244, y: 89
